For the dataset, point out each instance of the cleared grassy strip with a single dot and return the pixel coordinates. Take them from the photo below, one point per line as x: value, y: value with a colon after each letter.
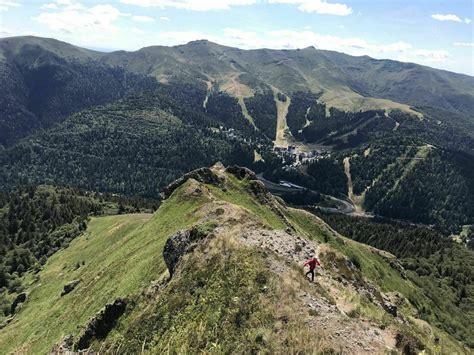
x: 282, y: 127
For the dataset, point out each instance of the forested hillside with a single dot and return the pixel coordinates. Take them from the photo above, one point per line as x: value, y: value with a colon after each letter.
x: 134, y: 147
x: 44, y: 81
x: 412, y: 180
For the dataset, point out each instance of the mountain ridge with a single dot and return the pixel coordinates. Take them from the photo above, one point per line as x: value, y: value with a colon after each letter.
x: 45, y: 80
x: 233, y: 253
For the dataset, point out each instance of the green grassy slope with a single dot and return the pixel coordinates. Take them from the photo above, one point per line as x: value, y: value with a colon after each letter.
x: 222, y: 294
x: 121, y: 254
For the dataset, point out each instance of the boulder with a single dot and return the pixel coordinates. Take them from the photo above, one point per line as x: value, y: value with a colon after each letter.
x: 65, y: 346
x: 20, y: 298
x: 69, y: 287
x: 180, y: 244
x: 391, y: 301
x: 102, y: 323
x: 390, y: 308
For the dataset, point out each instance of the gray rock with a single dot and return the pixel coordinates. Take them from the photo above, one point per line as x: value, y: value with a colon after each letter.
x: 102, y: 323
x: 20, y: 298
x: 204, y: 175
x: 64, y: 346
x: 69, y: 287
x: 181, y: 243
x: 241, y: 172
x: 390, y: 308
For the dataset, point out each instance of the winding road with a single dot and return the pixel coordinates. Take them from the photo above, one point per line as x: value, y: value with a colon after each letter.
x: 345, y: 207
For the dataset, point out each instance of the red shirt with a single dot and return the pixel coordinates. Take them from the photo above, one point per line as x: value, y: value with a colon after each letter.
x: 312, y: 263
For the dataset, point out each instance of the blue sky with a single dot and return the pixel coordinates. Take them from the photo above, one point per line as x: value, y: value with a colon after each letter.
x: 438, y: 33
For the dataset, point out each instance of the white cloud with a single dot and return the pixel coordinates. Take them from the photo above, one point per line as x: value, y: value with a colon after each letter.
x: 5, y: 5
x: 447, y: 17
x: 238, y: 38
x: 143, y: 18
x: 437, y: 55
x: 164, y: 18
x: 136, y: 31
x: 451, y: 17
x: 50, y: 6
x: 76, y: 17
x: 182, y: 37
x: 317, y: 6
x: 8, y: 32
x: 300, y: 39
x: 5, y: 32
x: 194, y: 5
x: 464, y: 44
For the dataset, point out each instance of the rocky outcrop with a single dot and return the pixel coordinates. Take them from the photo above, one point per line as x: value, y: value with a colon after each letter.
x: 408, y: 344
x: 70, y: 286
x: 258, y: 189
x: 391, y: 301
x: 391, y: 308
x: 65, y: 346
x: 21, y: 298
x: 241, y: 172
x: 181, y: 243
x: 101, y: 324
x: 204, y: 175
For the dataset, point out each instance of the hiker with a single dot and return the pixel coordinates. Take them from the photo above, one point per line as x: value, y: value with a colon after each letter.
x: 312, y: 263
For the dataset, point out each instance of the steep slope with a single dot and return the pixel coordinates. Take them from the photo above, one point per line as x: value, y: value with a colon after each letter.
x: 234, y: 282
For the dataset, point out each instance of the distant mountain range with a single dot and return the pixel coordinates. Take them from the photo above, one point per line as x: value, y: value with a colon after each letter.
x: 45, y: 80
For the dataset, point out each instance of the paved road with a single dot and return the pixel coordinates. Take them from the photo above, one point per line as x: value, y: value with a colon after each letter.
x: 346, y: 207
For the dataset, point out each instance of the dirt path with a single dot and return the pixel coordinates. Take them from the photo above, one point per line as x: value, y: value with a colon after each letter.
x: 325, y: 303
